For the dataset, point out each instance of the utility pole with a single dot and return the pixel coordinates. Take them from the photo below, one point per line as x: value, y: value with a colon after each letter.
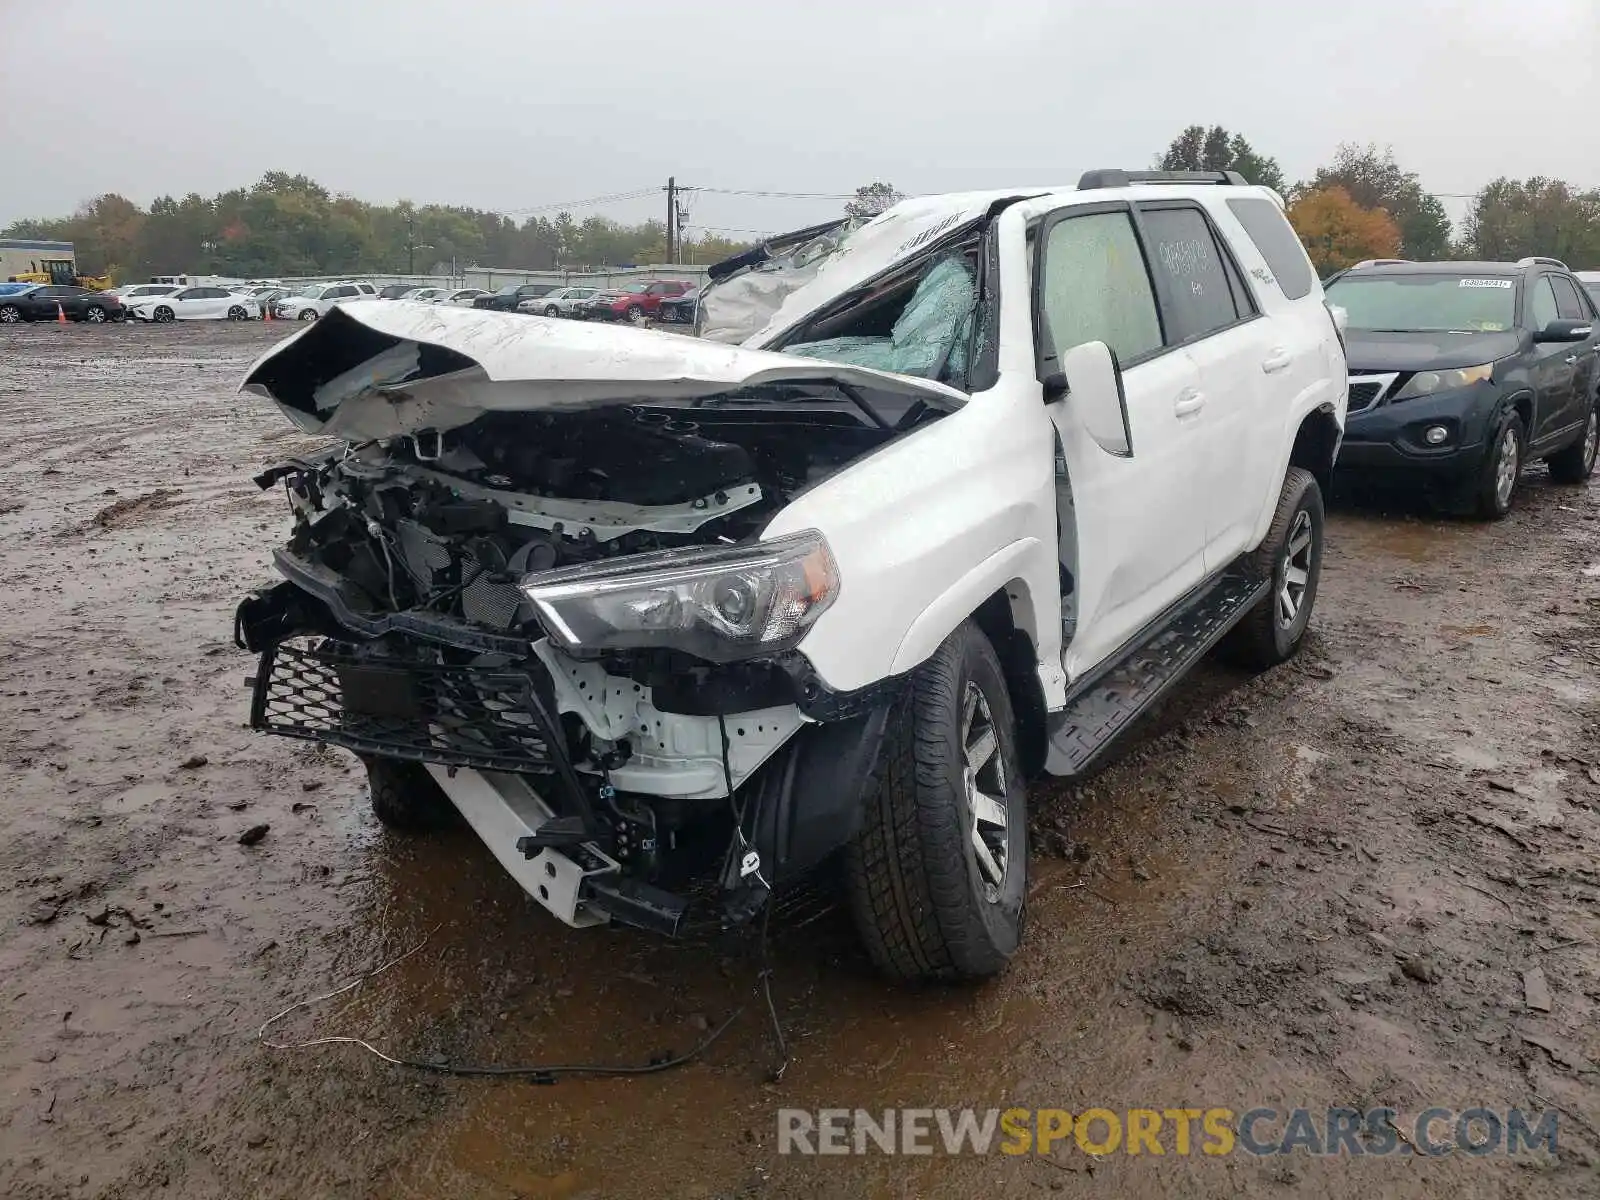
x: 672, y: 216
x: 411, y: 245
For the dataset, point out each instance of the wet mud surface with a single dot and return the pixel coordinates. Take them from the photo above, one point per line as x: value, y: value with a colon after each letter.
x: 1326, y: 886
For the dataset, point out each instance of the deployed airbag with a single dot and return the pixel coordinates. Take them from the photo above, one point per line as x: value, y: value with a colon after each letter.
x: 929, y: 340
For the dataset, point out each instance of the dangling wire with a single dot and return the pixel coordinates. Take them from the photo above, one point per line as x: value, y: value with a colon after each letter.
x: 737, y: 845
x: 545, y: 1074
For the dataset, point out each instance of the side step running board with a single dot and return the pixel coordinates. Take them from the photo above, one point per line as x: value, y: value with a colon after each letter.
x: 1101, y: 705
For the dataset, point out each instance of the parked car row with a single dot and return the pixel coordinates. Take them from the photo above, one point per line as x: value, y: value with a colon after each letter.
x: 315, y: 299
x: 668, y: 301
x: 665, y: 300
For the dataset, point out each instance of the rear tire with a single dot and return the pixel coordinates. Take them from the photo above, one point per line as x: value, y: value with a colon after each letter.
x: 405, y: 797
x: 1496, y: 487
x: 236, y: 313
x: 1291, y: 556
x: 10, y: 314
x: 1576, y: 463
x: 928, y: 903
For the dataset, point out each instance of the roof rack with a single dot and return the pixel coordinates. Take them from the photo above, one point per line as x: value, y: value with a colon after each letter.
x: 1381, y: 262
x: 1092, y: 180
x: 1536, y: 260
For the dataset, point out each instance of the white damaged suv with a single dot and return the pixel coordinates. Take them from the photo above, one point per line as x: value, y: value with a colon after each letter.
x: 674, y: 623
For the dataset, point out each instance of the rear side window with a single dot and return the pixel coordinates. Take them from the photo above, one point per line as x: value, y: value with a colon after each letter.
x: 1095, y: 288
x: 1186, y: 262
x: 1542, y: 307
x: 1272, y: 234
x: 1568, y: 302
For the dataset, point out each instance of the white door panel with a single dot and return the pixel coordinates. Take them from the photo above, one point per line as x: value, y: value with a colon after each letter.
x: 1140, y: 528
x: 1241, y: 374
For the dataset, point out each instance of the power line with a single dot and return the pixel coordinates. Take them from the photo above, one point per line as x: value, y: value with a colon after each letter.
x: 640, y: 193
x: 779, y: 195
x: 636, y: 194
x: 729, y: 229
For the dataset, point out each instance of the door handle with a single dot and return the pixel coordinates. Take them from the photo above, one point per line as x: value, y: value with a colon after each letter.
x: 1278, y: 360
x: 1189, y: 401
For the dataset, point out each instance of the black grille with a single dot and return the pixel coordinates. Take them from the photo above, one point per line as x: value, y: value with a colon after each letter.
x: 1364, y: 394
x: 487, y: 718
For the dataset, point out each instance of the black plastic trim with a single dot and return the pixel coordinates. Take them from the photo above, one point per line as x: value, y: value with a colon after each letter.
x: 325, y: 585
x: 815, y: 699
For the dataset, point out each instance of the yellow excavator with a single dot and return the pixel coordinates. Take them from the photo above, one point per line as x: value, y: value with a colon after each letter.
x: 59, y: 271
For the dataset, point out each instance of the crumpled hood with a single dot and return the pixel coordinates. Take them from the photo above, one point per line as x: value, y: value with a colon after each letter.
x: 382, y: 370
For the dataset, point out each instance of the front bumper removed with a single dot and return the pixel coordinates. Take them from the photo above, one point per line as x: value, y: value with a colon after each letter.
x: 581, y: 884
x: 585, y: 792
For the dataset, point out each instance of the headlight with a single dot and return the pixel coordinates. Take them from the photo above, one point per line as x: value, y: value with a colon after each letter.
x: 721, y: 605
x: 1426, y: 383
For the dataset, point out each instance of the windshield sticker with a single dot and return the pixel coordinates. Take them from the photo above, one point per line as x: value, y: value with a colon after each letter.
x: 1494, y: 283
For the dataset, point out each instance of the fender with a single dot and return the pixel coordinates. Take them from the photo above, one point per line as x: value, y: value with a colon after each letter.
x: 939, y: 619
x: 1305, y: 404
x: 1510, y: 401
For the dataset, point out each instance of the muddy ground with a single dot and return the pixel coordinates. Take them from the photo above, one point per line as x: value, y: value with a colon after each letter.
x: 1323, y: 886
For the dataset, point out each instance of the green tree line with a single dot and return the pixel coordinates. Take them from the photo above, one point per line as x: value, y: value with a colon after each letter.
x: 1506, y: 220
x: 288, y: 225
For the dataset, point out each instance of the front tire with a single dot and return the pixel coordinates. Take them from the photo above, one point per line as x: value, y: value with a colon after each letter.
x: 550, y: 310
x: 405, y: 798
x: 1291, y: 556
x: 1576, y: 463
x: 308, y: 314
x: 1496, y: 487
x: 938, y: 874
x: 162, y: 315
x: 95, y: 315
x: 635, y: 314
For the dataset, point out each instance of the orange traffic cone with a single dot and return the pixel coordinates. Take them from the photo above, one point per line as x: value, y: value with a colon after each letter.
x: 61, y: 314
x: 266, y: 311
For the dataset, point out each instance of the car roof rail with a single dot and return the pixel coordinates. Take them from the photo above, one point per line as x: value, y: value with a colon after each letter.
x: 1091, y: 180
x: 1538, y: 260
x: 1381, y: 262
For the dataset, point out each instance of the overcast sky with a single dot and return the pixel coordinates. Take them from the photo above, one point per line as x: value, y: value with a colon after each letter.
x: 511, y: 104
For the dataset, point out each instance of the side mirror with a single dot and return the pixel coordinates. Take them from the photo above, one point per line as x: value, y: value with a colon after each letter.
x: 1091, y: 381
x: 1565, y: 330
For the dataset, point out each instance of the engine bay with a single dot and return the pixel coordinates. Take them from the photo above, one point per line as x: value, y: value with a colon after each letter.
x: 449, y: 523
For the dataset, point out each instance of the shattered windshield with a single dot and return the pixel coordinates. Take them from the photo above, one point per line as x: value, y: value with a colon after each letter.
x: 929, y: 336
